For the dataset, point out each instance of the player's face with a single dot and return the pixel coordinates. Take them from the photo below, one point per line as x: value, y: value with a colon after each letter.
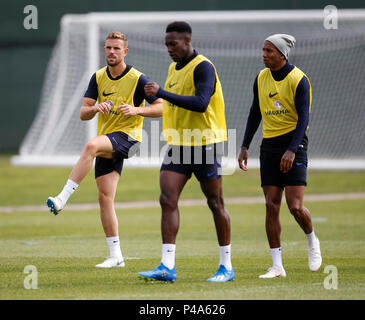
x: 178, y: 45
x: 115, y: 51
x: 272, y: 57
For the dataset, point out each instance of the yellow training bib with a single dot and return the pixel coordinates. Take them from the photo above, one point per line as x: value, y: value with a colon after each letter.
x: 118, y: 91
x: 277, y: 102
x: 189, y: 128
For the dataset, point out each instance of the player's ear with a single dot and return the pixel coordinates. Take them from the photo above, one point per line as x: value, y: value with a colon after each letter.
x: 187, y: 39
x: 126, y: 51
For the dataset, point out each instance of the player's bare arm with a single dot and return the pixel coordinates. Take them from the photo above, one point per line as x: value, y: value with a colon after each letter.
x: 151, y: 88
x: 242, y: 159
x: 89, y: 109
x: 152, y: 111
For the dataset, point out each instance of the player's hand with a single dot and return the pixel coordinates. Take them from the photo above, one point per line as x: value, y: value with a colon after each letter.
x: 287, y: 161
x: 103, y: 108
x: 242, y: 159
x: 127, y: 109
x: 151, y: 89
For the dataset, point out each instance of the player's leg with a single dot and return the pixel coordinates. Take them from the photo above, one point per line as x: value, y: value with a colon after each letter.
x: 212, y: 190
x: 207, y: 169
x: 273, y: 196
x: 107, y: 174
x: 294, y: 197
x: 295, y: 183
x: 173, y: 176
x: 171, y: 184
x: 99, y: 146
x: 272, y: 186
x: 107, y: 185
x: 214, y: 195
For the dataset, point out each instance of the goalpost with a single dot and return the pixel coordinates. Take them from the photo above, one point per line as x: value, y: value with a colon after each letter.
x: 332, y: 58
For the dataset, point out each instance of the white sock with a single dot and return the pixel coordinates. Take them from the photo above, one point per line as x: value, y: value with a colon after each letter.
x: 225, y: 256
x: 276, y: 257
x: 114, y: 247
x: 68, y: 189
x: 168, y: 255
x: 310, y: 238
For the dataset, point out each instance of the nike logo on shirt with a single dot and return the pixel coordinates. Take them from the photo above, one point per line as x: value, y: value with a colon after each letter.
x: 272, y: 95
x: 107, y: 94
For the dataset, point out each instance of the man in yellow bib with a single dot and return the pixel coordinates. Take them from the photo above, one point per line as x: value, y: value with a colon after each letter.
x: 194, y: 128
x: 119, y: 90
x: 282, y: 99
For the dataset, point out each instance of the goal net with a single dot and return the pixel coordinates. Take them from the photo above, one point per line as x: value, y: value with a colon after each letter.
x: 331, y: 57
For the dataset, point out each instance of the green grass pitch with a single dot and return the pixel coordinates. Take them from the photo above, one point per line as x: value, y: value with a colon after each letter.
x: 65, y: 248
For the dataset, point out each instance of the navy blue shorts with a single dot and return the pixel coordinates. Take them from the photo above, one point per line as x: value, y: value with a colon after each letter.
x: 203, y: 161
x: 124, y: 147
x: 271, y: 174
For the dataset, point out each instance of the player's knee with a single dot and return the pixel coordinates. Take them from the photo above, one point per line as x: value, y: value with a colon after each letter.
x: 272, y: 207
x: 105, y: 197
x: 167, y: 202
x: 295, y: 210
x: 91, y: 147
x: 215, y: 203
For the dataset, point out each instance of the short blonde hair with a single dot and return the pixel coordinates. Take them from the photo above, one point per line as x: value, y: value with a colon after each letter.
x: 118, y: 35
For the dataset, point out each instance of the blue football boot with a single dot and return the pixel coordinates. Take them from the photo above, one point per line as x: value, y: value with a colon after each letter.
x: 222, y: 275
x: 160, y: 273
x: 55, y: 205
